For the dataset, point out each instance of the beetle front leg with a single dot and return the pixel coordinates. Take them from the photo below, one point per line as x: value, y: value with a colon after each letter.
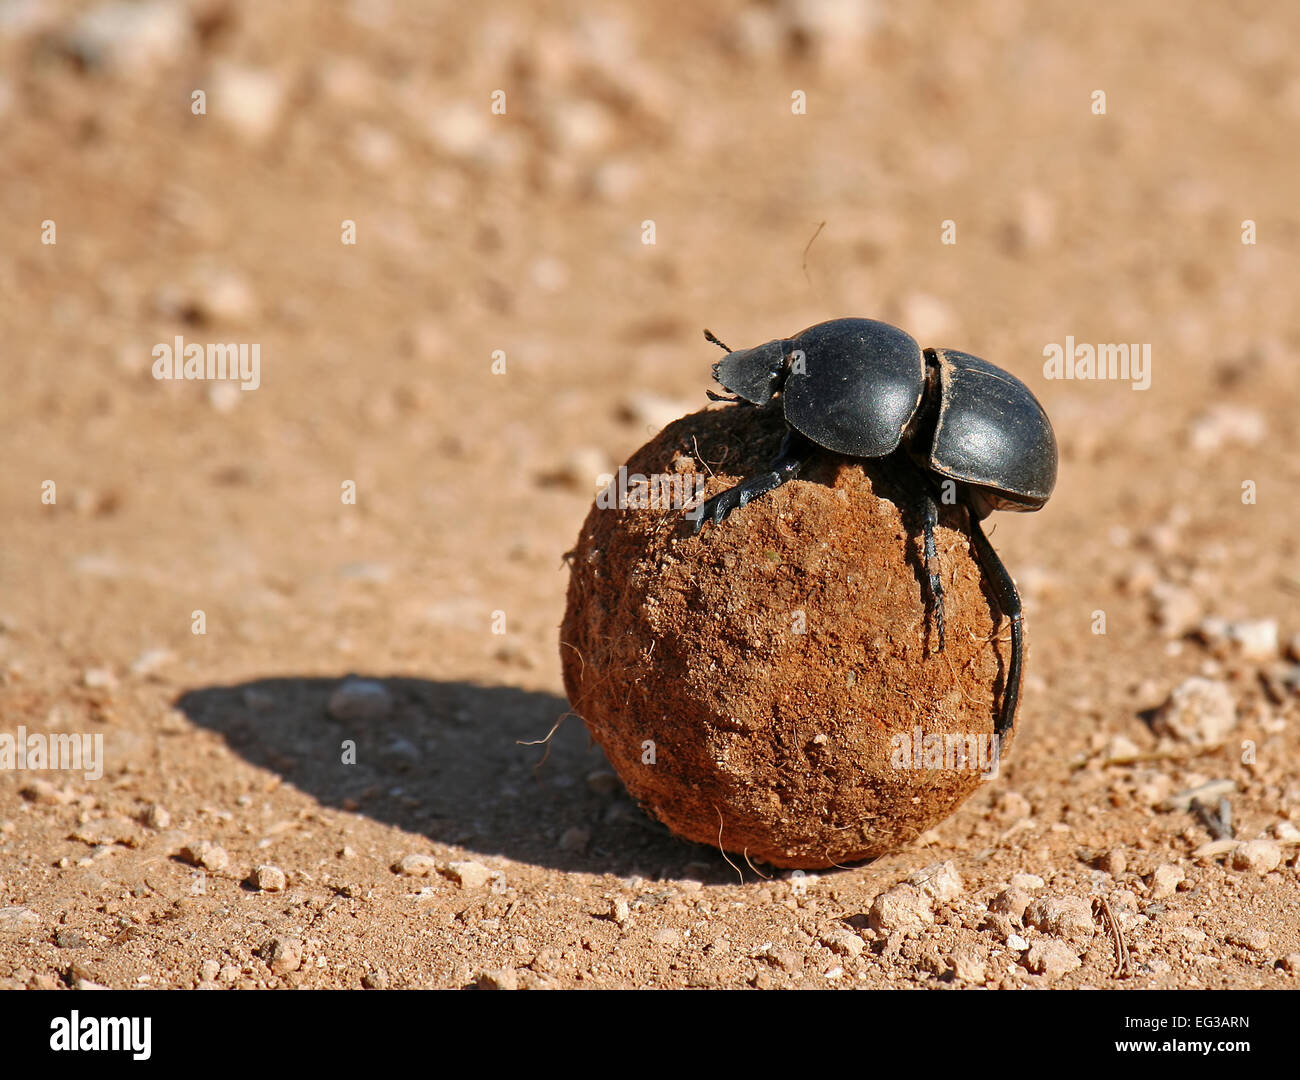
x: 793, y: 455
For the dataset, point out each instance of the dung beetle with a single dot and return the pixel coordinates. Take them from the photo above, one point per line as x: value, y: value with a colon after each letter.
x: 865, y: 389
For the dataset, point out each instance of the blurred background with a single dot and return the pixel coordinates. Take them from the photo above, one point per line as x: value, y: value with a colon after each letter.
x: 546, y: 207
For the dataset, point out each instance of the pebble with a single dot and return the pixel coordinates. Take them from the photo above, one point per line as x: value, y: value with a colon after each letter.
x: 18, y: 920
x: 499, y: 979
x: 132, y: 39
x: 1254, y: 940
x: 1261, y: 856
x: 1011, y: 901
x: 156, y: 816
x: 247, y: 100
x: 1164, y: 881
x: 70, y: 939
x: 940, y: 881
x: 283, y: 954
x: 1291, y: 963
x: 416, y: 865
x: 843, y: 942
x: 1198, y: 711
x: 619, y: 911
x: 1286, y: 832
x: 1062, y: 916
x: 469, y: 875
x: 788, y: 960
x: 82, y: 983
x: 668, y: 937
x: 209, y: 970
x: 904, y: 907
x: 967, y: 965
x: 98, y: 679
x: 1223, y: 424
x: 209, y: 856
x: 1113, y: 862
x: 1051, y: 958
x: 270, y: 878
x: 151, y: 660
x: 1177, y: 609
x: 375, y: 980
x: 363, y: 700
x: 46, y: 794
x: 575, y: 840
x: 1028, y: 882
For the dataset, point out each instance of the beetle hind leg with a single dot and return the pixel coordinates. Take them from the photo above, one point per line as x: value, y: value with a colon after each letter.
x: 1004, y: 588
x: 793, y: 455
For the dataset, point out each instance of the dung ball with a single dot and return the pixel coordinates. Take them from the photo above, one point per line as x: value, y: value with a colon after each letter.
x: 774, y: 686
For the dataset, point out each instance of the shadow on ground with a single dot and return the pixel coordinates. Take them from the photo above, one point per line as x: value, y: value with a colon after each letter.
x: 448, y: 763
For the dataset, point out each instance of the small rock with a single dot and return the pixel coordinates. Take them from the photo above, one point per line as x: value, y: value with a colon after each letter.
x: 788, y: 960
x: 1113, y: 862
x: 904, y: 907
x: 132, y: 39
x: 1177, y: 609
x: 1016, y: 943
x: 1164, y: 881
x: 98, y: 679
x: 940, y: 881
x: 1286, y: 832
x: 1291, y: 963
x: 70, y: 939
x: 416, y: 865
x: 82, y: 983
x: 1012, y: 902
x: 375, y: 980
x: 1051, y: 958
x: 46, y: 794
x: 469, y: 875
x: 499, y: 979
x: 269, y: 878
x: 1199, y: 711
x: 1062, y: 916
x: 1028, y: 882
x: 247, y: 100
x: 209, y: 856
x: 619, y: 911
x: 283, y: 954
x: 1222, y: 424
x: 1254, y: 940
x: 209, y: 970
x: 1256, y: 639
x: 151, y: 660
x: 668, y: 937
x: 575, y: 840
x: 843, y: 942
x: 157, y: 817
x: 1261, y: 856
x: 18, y: 920
x: 967, y: 965
x: 363, y: 700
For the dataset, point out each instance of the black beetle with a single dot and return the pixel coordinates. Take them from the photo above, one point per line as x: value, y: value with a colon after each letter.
x: 866, y: 389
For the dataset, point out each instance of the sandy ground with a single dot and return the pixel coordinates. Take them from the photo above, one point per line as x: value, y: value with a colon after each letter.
x: 501, y: 332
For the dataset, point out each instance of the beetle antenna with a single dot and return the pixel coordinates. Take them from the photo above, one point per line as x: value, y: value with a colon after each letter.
x: 708, y: 336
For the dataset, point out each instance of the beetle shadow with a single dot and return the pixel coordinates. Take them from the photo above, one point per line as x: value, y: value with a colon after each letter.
x: 451, y: 761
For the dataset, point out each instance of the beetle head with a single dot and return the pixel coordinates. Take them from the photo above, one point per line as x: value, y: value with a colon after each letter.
x: 753, y: 374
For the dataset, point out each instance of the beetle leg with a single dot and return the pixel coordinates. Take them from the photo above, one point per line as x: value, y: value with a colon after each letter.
x: 930, y: 523
x: 793, y: 455
x: 1009, y: 600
